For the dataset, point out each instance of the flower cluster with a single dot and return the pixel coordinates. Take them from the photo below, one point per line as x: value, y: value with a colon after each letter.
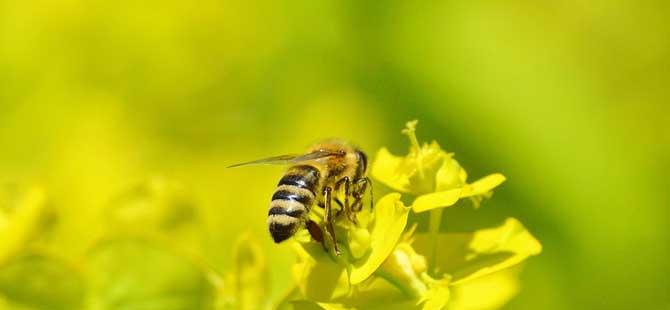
x: 145, y: 252
x: 386, y: 262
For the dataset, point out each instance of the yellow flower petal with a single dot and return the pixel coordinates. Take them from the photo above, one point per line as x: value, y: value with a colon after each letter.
x: 437, y: 296
x: 389, y: 223
x: 497, y: 249
x: 305, y: 305
x: 436, y: 200
x: 414, y: 173
x: 385, y: 169
x: 284, y: 303
x: 331, y: 306
x: 377, y: 293
x: 383, y: 304
x: 317, y: 276
x: 450, y: 175
x: 399, y: 269
x: 467, y: 256
x: 485, y: 293
x: 311, y: 305
x: 483, y: 185
x: 322, y: 277
x: 359, y: 241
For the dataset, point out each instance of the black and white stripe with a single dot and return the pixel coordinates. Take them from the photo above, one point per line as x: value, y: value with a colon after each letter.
x: 291, y: 201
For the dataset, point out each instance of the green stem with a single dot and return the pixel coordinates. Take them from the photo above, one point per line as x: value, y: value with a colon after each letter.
x: 434, y: 229
x: 414, y: 289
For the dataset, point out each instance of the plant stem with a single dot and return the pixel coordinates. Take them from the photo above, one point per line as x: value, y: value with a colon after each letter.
x: 415, y: 288
x: 434, y: 229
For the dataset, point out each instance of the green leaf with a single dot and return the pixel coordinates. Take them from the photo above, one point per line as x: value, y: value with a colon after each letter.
x: 467, y: 256
x: 137, y: 274
x: 41, y: 282
x: 389, y: 223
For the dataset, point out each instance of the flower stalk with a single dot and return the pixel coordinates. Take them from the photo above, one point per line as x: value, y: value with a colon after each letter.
x: 434, y: 229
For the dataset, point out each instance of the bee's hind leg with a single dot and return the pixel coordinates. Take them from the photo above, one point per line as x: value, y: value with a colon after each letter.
x: 328, y: 217
x: 316, y: 233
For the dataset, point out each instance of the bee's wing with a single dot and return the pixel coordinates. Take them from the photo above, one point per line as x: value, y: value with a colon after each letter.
x: 289, y: 159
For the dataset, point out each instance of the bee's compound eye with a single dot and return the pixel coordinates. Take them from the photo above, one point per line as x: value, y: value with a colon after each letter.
x: 362, y: 163
x: 282, y: 227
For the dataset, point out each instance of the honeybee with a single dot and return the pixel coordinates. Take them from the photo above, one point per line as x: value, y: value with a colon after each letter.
x: 314, y: 178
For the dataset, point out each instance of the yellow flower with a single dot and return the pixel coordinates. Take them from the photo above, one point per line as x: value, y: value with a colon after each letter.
x: 385, y: 265
x: 478, y: 272
x: 482, y: 263
x: 431, y: 174
x: 321, y: 276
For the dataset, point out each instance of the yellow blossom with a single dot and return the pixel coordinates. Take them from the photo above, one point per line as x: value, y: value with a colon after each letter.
x: 385, y: 265
x: 431, y: 174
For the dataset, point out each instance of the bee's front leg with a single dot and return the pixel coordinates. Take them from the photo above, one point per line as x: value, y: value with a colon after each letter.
x: 328, y: 217
x: 360, y: 186
x: 347, y: 193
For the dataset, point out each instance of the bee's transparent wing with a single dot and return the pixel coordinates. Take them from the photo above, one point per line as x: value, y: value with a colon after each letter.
x: 289, y: 159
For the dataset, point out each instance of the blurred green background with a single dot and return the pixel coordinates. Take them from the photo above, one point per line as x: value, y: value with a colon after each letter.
x: 102, y: 101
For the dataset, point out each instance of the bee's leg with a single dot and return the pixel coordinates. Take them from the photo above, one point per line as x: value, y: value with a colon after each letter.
x: 347, y: 193
x: 322, y: 204
x: 316, y: 233
x: 328, y: 217
x: 358, y: 192
x: 339, y: 203
x: 361, y: 186
x: 357, y: 205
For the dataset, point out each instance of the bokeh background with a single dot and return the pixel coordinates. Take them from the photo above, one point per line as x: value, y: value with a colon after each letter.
x: 109, y: 104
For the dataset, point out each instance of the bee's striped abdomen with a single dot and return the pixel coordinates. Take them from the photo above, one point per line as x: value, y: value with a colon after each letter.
x: 291, y: 201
